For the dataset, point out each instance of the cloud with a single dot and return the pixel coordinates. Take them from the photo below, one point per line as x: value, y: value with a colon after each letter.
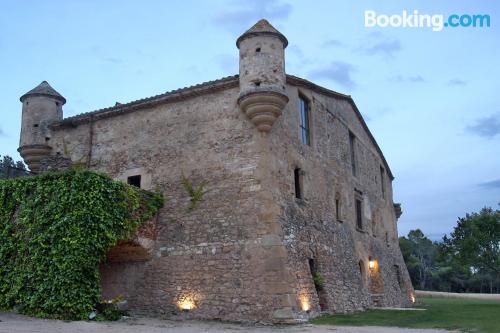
x: 296, y: 58
x: 246, y: 13
x: 378, y: 44
x: 456, y: 82
x: 413, y: 79
x: 228, y: 63
x: 295, y: 50
x: 112, y: 60
x: 337, y: 71
x: 494, y: 184
x: 487, y: 127
x: 2, y: 133
x: 333, y: 43
x: 417, y: 78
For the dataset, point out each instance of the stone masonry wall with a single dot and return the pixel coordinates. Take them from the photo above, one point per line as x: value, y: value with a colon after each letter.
x: 223, y: 256
x: 243, y: 252
x: 311, y: 228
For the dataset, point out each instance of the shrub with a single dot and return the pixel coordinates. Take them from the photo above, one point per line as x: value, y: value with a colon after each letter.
x: 318, y: 281
x: 55, y: 229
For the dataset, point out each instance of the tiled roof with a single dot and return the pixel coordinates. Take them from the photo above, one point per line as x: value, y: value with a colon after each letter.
x: 263, y: 27
x: 169, y: 96
x: 44, y: 89
x: 204, y: 88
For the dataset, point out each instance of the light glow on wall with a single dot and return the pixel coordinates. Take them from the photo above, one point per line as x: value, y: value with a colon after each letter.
x: 305, y: 304
x: 372, y: 264
x: 413, y: 300
x: 186, y: 304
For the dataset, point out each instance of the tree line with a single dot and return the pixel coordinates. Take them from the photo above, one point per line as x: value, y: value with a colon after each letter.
x: 468, y: 260
x: 10, y: 168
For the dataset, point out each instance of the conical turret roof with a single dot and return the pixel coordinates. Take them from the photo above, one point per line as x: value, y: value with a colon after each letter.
x: 44, y: 89
x: 263, y: 27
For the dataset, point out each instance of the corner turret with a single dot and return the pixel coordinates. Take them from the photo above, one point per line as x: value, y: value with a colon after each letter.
x: 41, y: 106
x: 262, y: 74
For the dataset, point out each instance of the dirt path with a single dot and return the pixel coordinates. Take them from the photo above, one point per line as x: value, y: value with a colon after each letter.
x: 14, y: 323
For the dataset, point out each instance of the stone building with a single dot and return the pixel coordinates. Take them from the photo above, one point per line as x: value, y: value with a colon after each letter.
x: 292, y: 186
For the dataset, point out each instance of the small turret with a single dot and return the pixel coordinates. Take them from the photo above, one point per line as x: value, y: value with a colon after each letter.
x: 41, y: 106
x: 262, y: 74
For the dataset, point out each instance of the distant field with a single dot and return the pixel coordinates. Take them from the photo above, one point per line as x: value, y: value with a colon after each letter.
x: 455, y: 314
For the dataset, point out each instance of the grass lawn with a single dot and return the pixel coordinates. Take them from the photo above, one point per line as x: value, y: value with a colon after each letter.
x: 456, y: 314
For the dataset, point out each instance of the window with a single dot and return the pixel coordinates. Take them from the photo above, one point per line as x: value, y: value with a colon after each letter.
x: 134, y: 180
x: 338, y: 208
x: 359, y: 214
x: 382, y: 181
x: 399, y: 278
x: 352, y: 139
x: 297, y: 174
x: 361, y: 265
x: 312, y: 267
x: 305, y: 134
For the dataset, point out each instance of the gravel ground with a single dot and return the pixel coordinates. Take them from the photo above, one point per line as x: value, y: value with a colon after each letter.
x: 15, y: 323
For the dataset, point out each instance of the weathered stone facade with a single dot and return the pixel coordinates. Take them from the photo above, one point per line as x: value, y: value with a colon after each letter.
x: 249, y: 248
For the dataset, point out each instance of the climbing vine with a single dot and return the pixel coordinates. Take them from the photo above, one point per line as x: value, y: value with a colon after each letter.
x: 54, y: 231
x: 196, y: 194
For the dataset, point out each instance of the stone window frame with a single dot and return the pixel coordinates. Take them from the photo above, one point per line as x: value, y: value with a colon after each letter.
x: 145, y: 177
x: 298, y: 181
x: 352, y: 153
x: 362, y: 271
x: 358, y: 214
x: 131, y: 180
x: 305, y: 119
x: 338, y: 207
x: 383, y: 188
x: 399, y: 276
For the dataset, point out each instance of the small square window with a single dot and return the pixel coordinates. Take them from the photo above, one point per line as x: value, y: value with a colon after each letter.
x: 134, y: 180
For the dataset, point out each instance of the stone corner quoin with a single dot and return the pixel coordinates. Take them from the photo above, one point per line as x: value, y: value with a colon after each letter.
x: 297, y: 191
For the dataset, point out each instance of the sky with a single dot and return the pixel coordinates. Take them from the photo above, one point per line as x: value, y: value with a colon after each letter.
x: 430, y: 98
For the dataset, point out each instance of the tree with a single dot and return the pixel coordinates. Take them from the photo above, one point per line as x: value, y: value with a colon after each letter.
x: 475, y: 243
x: 10, y: 168
x: 419, y: 254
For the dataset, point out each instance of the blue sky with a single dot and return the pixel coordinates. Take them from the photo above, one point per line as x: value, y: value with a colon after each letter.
x: 431, y: 99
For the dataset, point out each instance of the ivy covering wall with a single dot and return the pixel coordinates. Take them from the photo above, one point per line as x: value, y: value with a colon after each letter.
x: 54, y: 231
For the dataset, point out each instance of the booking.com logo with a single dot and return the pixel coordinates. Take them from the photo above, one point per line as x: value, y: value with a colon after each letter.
x: 416, y: 20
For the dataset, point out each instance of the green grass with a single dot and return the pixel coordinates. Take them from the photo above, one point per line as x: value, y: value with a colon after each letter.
x: 452, y: 314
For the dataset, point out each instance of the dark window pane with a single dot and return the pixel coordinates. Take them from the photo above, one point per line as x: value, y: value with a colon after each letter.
x: 134, y: 180
x: 304, y: 121
x: 359, y: 214
x: 298, y: 190
x: 353, y: 155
